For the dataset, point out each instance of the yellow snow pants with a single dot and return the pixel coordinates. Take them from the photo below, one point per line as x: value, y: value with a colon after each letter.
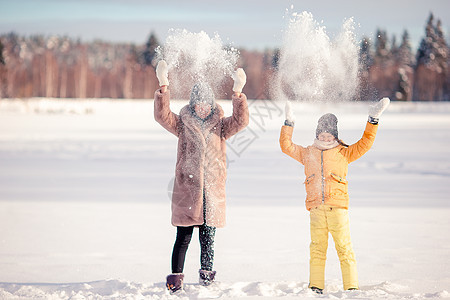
x: 335, y: 220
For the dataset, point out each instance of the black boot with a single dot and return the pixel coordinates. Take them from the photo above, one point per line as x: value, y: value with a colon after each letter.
x: 174, y: 282
x: 206, y: 277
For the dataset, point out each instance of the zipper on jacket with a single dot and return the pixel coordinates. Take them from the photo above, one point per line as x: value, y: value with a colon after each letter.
x: 323, y: 178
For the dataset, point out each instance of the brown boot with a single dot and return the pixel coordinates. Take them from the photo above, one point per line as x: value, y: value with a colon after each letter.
x: 174, y: 282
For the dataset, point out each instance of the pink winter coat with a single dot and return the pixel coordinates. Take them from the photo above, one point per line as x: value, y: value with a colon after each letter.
x: 201, y: 159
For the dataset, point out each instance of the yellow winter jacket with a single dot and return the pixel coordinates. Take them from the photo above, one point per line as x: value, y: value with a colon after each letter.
x: 326, y: 170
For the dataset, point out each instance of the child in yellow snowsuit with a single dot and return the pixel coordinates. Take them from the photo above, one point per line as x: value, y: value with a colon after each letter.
x: 326, y: 165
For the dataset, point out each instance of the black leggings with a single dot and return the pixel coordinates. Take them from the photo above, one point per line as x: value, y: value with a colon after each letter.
x: 184, y: 235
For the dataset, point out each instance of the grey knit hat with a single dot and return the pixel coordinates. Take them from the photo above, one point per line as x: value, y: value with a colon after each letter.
x: 202, y: 93
x: 327, y: 123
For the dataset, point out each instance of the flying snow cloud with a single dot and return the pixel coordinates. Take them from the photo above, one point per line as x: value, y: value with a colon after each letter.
x: 196, y: 58
x: 314, y: 67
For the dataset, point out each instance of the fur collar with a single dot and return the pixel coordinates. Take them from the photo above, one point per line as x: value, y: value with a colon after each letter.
x: 202, y: 128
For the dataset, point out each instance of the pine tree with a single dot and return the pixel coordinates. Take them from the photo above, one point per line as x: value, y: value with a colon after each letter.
x: 403, y: 92
x: 405, y: 56
x: 2, y: 59
x: 366, y: 61
x: 432, y: 64
x: 425, y: 52
x: 394, y: 48
x: 442, y: 59
x: 365, y: 55
x: 404, y: 59
x: 149, y: 52
x: 3, y: 83
x: 276, y: 58
x: 381, y: 50
x: 441, y: 50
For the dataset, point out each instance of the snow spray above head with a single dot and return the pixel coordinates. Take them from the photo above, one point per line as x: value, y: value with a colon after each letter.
x: 314, y: 68
x: 196, y: 58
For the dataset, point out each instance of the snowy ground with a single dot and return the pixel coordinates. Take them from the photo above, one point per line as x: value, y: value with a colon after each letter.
x: 85, y: 210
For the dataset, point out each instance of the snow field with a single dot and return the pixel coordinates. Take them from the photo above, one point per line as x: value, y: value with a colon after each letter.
x: 85, y: 211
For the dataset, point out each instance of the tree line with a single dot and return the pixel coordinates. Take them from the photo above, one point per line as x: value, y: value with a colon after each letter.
x: 61, y: 67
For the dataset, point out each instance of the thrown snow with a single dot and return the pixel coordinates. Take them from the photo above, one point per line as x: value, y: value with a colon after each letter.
x: 314, y: 66
x: 195, y: 57
x: 85, y: 210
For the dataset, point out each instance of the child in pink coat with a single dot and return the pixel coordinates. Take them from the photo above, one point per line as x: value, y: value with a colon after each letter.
x: 198, y: 198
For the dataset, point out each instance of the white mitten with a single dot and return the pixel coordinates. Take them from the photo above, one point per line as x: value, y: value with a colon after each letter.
x: 240, y: 79
x: 162, y: 73
x: 377, y: 109
x: 290, y: 118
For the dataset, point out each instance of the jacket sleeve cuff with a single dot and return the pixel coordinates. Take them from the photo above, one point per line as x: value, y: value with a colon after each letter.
x: 289, y: 123
x: 373, y: 120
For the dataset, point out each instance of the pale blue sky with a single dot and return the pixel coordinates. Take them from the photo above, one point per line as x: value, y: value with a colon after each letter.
x: 251, y: 24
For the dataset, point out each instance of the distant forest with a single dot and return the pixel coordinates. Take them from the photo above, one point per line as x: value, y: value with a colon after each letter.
x: 61, y: 67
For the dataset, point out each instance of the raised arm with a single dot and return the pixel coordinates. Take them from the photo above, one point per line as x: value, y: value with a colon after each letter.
x: 358, y: 149
x: 162, y: 112
x: 240, y: 117
x: 286, y: 144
